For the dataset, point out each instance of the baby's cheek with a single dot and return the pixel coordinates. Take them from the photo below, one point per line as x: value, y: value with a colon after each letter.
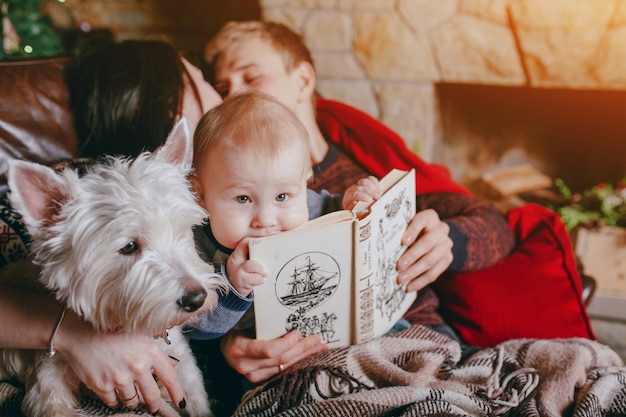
x: 296, y: 218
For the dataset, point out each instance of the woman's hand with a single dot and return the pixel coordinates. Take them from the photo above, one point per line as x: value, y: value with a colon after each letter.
x: 429, y: 251
x: 259, y: 360
x: 116, y: 366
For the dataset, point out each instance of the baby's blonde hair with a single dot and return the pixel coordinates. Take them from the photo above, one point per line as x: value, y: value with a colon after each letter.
x: 285, y: 41
x: 251, y: 121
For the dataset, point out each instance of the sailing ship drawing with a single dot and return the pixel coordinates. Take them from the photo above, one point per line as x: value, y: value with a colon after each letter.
x: 309, y: 285
x: 305, y: 285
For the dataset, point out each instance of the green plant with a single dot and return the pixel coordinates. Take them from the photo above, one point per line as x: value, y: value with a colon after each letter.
x: 27, y: 31
x: 602, y: 204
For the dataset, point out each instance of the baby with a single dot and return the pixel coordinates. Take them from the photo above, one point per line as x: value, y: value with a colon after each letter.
x: 252, y: 164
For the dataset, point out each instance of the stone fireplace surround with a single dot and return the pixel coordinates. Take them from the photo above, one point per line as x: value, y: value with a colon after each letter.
x: 479, y: 84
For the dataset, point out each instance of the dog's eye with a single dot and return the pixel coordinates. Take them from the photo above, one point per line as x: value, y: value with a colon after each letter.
x: 130, y: 247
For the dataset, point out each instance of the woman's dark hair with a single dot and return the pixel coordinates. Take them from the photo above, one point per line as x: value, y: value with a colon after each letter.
x: 125, y: 96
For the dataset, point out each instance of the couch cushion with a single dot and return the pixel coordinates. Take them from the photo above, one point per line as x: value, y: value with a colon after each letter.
x: 35, y: 121
x: 534, y: 293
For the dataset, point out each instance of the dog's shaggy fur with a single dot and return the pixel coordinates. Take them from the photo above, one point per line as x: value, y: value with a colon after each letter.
x: 114, y: 245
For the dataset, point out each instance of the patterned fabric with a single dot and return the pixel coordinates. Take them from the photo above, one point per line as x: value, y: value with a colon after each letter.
x: 419, y: 372
x: 13, y: 236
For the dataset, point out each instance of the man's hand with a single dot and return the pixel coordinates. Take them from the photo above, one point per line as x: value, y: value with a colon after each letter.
x: 429, y: 251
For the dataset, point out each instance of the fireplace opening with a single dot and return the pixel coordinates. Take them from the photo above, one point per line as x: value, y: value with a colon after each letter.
x: 576, y: 135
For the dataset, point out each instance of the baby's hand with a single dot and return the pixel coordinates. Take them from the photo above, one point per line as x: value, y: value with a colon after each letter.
x: 366, y: 189
x: 243, y: 273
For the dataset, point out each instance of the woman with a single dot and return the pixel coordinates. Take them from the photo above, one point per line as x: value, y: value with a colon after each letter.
x: 125, y: 98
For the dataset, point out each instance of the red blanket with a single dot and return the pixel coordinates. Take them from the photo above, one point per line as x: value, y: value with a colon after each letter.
x: 379, y: 149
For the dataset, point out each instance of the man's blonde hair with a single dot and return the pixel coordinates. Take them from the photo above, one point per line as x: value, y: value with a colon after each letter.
x: 285, y: 41
x: 251, y: 121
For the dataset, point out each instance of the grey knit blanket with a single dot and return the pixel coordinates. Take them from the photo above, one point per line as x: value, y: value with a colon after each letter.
x: 419, y: 372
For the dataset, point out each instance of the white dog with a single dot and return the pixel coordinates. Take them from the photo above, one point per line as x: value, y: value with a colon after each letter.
x: 115, y: 246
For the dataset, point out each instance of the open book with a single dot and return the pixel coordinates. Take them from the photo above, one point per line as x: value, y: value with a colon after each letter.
x: 336, y: 275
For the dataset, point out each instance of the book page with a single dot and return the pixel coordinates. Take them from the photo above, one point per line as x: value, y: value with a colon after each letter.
x: 328, y: 218
x: 381, y: 302
x: 309, y: 283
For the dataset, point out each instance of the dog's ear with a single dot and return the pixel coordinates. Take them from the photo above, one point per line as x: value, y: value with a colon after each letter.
x: 177, y: 148
x: 36, y: 192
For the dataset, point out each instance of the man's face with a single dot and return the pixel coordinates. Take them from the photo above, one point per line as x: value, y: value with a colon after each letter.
x: 254, y: 64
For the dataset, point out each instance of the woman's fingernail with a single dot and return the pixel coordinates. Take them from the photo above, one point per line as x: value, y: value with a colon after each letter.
x: 174, y: 358
x: 182, y: 403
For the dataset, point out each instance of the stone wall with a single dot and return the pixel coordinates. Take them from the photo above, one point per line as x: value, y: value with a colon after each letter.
x: 387, y: 57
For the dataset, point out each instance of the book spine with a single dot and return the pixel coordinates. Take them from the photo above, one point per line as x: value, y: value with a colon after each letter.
x: 363, y: 281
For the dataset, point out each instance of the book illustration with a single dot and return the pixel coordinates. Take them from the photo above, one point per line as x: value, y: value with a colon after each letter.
x: 390, y: 294
x: 312, y: 324
x: 307, y: 285
x: 304, y: 283
x: 392, y: 209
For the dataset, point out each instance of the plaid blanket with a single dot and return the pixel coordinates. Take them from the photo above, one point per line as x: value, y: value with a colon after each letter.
x: 419, y: 372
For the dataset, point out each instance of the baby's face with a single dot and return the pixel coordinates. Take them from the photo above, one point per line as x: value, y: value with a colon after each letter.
x: 249, y: 196
x: 254, y: 64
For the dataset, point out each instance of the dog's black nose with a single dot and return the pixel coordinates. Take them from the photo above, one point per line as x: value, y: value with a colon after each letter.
x: 192, y: 300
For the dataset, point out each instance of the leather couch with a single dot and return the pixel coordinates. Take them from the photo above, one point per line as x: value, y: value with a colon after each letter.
x: 35, y: 121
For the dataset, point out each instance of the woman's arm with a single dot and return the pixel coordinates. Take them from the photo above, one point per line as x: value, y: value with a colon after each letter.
x: 28, y: 318
x: 103, y: 362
